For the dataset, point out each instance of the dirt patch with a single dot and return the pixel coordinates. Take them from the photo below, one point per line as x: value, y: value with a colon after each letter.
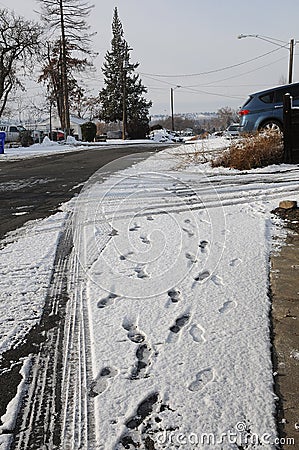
x: 290, y: 216
x: 284, y: 278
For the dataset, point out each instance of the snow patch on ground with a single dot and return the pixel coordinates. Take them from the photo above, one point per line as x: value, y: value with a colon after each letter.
x: 26, y: 263
x: 9, y: 418
x: 48, y: 148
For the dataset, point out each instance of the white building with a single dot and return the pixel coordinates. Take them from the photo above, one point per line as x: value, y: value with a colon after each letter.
x: 75, y: 123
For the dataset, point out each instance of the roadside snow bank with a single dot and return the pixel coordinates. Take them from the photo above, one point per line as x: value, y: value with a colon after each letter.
x: 26, y: 263
x: 48, y: 148
x: 8, y: 420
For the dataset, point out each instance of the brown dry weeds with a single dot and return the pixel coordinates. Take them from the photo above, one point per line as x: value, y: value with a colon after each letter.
x: 252, y: 151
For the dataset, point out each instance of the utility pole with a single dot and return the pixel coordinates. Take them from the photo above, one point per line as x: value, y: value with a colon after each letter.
x: 125, y: 69
x: 124, y: 130
x: 291, y: 62
x: 65, y: 91
x: 171, y: 104
x: 51, y: 131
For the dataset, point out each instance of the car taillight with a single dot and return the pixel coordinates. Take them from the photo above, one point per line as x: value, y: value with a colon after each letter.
x: 244, y: 112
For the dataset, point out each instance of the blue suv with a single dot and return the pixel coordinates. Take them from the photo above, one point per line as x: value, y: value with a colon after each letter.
x: 264, y: 110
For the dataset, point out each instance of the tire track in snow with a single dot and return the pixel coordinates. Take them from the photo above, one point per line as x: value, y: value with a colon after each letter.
x: 56, y: 410
x: 210, y: 191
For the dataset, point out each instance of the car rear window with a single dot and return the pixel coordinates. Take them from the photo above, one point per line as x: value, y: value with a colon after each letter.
x: 267, y: 98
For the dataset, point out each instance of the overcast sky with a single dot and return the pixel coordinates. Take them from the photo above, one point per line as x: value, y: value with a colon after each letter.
x: 181, y: 38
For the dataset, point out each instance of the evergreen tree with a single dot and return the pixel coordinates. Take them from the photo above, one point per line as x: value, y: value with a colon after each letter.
x: 122, y: 97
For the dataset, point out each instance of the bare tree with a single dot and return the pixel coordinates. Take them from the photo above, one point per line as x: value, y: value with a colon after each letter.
x: 51, y: 75
x: 282, y: 80
x: 19, y: 43
x: 67, y: 18
x: 225, y: 116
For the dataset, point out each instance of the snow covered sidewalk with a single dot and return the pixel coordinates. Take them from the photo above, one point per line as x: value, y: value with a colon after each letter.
x: 177, y: 290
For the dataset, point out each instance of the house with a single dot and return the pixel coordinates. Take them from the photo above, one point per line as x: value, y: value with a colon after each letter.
x: 75, y: 123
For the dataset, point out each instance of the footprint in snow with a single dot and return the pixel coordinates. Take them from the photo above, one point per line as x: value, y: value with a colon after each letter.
x: 135, y: 227
x: 127, y: 255
x: 224, y: 232
x: 202, y: 378
x: 144, y: 410
x: 145, y: 240
x: 133, y: 333
x: 143, y: 361
x: 141, y: 272
x: 227, y: 307
x: 235, y: 262
x: 180, y: 323
x: 176, y: 328
x: 203, y: 246
x: 143, y: 352
x: 100, y: 384
x: 192, y: 258
x: 113, y: 232
x: 107, y: 301
x: 197, y: 333
x: 217, y: 280
x: 136, y: 436
x: 202, y: 276
x: 175, y: 295
x: 189, y: 232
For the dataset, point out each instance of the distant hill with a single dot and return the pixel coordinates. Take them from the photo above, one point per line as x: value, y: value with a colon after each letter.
x: 187, y: 115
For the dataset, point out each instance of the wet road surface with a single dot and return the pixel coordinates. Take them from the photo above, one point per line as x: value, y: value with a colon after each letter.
x: 34, y: 188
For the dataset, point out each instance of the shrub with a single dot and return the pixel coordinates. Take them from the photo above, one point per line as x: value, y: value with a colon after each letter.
x: 89, y: 131
x: 137, y: 129
x: 26, y: 138
x: 252, y: 151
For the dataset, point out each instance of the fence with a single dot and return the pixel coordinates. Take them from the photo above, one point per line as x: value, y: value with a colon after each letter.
x: 290, y: 131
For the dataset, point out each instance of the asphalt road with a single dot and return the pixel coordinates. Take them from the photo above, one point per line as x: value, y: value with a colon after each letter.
x: 34, y: 188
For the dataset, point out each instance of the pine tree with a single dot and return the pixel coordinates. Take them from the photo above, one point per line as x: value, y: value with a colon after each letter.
x: 122, y: 97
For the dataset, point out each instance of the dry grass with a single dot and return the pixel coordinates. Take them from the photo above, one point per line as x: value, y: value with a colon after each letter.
x: 252, y: 151
x: 194, y: 154
x: 190, y: 154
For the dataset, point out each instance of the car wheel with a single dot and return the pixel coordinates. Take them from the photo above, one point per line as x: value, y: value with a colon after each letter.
x: 271, y: 126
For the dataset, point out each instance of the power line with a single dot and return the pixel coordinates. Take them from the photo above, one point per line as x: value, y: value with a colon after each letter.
x: 159, y: 81
x: 156, y: 88
x: 215, y: 70
x: 197, y: 91
x: 240, y: 75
